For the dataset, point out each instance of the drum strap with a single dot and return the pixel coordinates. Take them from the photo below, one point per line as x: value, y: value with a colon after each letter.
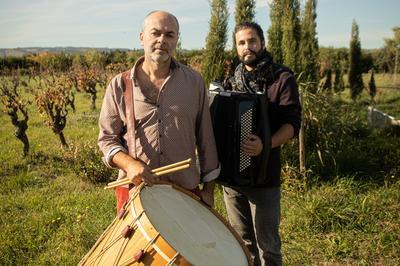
x: 122, y: 193
x: 130, y: 112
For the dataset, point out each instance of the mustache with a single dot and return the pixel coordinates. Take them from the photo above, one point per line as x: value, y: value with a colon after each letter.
x: 249, y: 52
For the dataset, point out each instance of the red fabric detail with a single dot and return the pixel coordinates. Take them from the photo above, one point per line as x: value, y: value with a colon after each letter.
x: 122, y: 195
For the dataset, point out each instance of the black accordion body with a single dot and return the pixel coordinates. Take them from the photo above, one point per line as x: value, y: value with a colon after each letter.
x: 235, y: 115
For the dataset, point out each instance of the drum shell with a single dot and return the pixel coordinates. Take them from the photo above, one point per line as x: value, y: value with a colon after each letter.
x: 123, y: 250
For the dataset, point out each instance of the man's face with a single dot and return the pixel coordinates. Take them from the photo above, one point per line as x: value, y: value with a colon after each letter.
x: 248, y: 46
x: 159, y: 37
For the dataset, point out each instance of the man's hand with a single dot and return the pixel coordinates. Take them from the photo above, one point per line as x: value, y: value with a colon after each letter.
x: 135, y: 170
x: 252, y: 146
x: 139, y: 172
x: 207, y: 194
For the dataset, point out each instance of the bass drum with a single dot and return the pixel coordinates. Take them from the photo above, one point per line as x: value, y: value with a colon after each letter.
x: 166, y: 225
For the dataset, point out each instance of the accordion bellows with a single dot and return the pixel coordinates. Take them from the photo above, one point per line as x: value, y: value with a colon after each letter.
x: 234, y: 116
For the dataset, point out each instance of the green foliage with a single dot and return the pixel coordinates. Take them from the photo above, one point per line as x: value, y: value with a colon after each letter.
x: 291, y: 34
x: 372, y: 86
x: 355, y: 67
x: 10, y: 63
x: 328, y: 80
x: 342, y: 222
x: 338, y: 141
x: 53, y: 210
x: 53, y: 62
x: 338, y: 68
x: 275, y: 31
x: 87, y: 163
x: 309, y: 44
x: 244, y: 11
x: 213, y: 62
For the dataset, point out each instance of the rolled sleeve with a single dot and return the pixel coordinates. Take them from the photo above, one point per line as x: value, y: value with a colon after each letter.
x: 213, y: 174
x: 206, y: 147
x: 111, y: 124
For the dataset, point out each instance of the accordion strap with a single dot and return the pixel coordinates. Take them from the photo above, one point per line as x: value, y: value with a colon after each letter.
x: 130, y: 112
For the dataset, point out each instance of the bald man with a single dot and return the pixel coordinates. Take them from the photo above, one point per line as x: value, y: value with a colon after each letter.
x: 171, y: 115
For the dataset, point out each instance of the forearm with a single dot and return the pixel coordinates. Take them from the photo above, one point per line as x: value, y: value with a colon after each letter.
x: 283, y: 135
x: 123, y: 161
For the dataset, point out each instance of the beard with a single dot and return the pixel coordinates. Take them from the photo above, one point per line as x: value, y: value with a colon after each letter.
x: 254, y: 60
x: 160, y: 56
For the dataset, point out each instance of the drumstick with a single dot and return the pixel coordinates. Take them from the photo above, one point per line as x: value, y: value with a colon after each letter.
x: 158, y: 172
x: 171, y: 165
x: 127, y: 181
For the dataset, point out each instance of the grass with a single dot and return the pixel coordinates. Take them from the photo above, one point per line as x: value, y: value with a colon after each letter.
x: 342, y: 222
x: 52, y: 214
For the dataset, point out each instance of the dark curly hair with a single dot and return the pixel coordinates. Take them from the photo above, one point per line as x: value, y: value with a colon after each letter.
x: 251, y: 25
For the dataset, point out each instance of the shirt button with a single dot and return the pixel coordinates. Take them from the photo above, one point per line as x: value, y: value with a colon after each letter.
x: 159, y: 120
x: 161, y: 153
x: 158, y: 106
x: 160, y: 135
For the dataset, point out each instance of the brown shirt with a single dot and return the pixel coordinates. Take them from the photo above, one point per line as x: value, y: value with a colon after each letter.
x: 169, y: 128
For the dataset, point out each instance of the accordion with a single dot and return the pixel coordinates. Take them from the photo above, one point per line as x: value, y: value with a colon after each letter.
x: 234, y: 116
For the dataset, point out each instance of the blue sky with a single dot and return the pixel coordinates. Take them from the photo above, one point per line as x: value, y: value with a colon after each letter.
x: 116, y: 24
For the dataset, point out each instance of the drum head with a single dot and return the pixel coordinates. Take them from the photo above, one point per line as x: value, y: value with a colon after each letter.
x: 190, y: 228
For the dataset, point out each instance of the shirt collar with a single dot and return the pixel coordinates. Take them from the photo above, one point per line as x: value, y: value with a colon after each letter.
x: 174, y: 66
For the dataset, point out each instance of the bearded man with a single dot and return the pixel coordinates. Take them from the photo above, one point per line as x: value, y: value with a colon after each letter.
x: 254, y: 212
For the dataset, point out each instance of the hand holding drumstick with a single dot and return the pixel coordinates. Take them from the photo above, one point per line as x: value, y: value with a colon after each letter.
x: 142, y: 173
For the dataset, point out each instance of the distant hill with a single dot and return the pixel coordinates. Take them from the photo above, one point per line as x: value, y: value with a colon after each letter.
x: 19, y: 52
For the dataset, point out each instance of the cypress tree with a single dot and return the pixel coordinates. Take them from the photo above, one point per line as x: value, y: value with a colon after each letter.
x: 309, y: 44
x: 338, y: 84
x: 355, y: 63
x: 328, y: 81
x: 214, y: 54
x: 291, y: 34
x: 275, y: 30
x: 372, y: 86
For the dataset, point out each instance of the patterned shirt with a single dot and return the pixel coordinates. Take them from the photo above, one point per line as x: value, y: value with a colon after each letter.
x: 168, y: 128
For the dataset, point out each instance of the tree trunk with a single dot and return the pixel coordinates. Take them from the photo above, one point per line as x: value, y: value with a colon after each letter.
x: 94, y: 97
x: 24, y: 139
x: 301, y: 139
x: 62, y: 139
x: 396, y: 66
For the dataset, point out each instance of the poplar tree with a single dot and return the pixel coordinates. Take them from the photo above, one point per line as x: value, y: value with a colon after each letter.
x: 355, y: 63
x: 309, y: 44
x: 214, y: 54
x: 275, y: 30
x: 291, y: 34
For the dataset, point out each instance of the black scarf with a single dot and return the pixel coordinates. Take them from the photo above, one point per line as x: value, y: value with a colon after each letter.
x: 257, y: 80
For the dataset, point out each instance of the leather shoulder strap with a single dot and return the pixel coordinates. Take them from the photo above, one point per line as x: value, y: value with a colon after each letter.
x: 130, y: 112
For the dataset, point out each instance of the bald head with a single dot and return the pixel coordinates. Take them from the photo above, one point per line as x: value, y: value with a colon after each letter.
x: 159, y: 15
x: 159, y: 37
